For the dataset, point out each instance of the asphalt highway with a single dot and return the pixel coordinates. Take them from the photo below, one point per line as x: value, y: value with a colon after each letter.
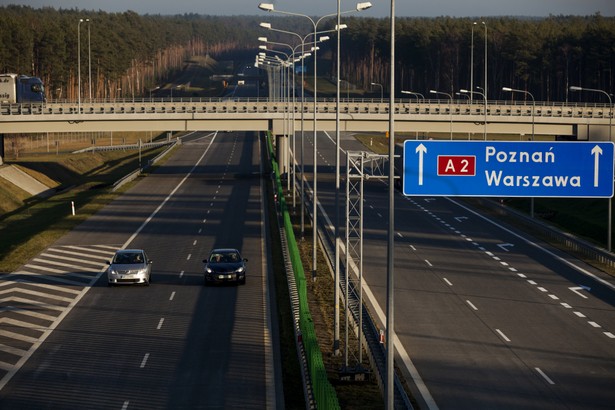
x: 485, y: 316
x: 174, y: 344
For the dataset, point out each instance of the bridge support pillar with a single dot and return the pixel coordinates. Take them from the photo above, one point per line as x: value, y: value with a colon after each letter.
x: 281, y: 144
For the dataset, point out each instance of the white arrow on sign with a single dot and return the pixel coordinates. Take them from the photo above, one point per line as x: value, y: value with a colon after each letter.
x: 505, y: 246
x: 596, y: 152
x: 577, y: 290
x: 461, y: 218
x: 421, y: 149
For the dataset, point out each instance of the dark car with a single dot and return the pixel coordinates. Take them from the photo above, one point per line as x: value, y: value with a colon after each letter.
x: 225, y: 265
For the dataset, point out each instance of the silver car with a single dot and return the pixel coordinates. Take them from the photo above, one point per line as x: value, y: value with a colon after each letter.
x: 129, y: 266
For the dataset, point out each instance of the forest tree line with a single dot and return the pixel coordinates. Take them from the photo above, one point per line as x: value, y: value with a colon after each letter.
x: 131, y: 52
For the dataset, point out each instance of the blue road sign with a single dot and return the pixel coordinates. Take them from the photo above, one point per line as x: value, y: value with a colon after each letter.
x: 508, y: 169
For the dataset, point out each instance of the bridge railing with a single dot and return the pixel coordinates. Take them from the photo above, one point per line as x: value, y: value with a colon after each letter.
x: 456, y: 108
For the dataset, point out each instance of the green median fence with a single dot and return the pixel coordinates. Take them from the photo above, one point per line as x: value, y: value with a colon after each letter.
x: 324, y: 393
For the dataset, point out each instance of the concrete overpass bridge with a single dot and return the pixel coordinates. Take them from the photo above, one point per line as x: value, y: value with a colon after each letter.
x: 474, y: 120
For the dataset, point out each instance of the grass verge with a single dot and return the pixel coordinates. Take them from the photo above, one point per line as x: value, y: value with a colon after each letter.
x: 35, y: 223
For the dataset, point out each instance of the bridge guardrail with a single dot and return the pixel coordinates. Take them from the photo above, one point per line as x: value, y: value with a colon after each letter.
x: 461, y: 108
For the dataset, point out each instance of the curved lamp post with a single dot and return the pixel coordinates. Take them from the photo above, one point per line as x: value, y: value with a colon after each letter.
x: 269, y: 7
x: 450, y: 107
x: 359, y: 7
x: 381, y: 90
x: 485, y: 98
x: 514, y: 90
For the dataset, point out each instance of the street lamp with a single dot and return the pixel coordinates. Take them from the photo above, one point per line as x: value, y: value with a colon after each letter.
x: 450, y: 107
x: 153, y: 89
x: 472, y: 62
x: 485, y: 89
x: 269, y: 7
x: 338, y: 27
x: 381, y: 90
x: 79, y: 62
x: 485, y: 98
x: 576, y: 88
x: 89, y: 60
x: 513, y: 90
x: 417, y: 95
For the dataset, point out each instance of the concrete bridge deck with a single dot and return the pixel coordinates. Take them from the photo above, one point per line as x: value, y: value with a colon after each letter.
x: 574, y: 121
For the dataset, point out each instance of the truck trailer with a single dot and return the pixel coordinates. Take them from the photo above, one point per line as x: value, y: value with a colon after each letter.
x: 16, y: 89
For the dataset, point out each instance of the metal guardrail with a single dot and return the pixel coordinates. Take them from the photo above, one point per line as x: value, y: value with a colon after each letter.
x: 133, y: 175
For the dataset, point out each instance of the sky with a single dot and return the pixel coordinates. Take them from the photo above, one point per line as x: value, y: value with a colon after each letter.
x: 381, y: 8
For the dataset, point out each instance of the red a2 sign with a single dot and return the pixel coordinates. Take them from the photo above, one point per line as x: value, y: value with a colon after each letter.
x: 456, y: 165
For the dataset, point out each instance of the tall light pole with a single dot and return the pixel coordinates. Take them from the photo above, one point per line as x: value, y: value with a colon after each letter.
x: 89, y: 60
x: 79, y: 65
x: 390, y: 320
x: 450, y: 107
x: 594, y: 90
x: 270, y: 8
x: 381, y: 90
x: 472, y: 63
x: 485, y: 87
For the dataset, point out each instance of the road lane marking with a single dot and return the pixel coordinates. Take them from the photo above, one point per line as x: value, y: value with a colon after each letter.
x: 594, y: 324
x: 540, y: 288
x: 502, y: 335
x: 189, y: 256
x: 610, y: 335
x: 144, y: 361
x: 447, y: 281
x: 125, y: 405
x: 578, y: 289
x: 547, y: 378
x: 471, y: 305
x: 160, y: 324
x: 172, y: 295
x: 429, y: 263
x: 180, y: 275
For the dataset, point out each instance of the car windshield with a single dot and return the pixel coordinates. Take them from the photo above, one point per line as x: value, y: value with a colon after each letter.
x: 224, y: 257
x: 128, y: 258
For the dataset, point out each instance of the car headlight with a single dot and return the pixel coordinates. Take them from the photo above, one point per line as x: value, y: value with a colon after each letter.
x: 240, y: 270
x: 208, y: 270
x: 111, y: 271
